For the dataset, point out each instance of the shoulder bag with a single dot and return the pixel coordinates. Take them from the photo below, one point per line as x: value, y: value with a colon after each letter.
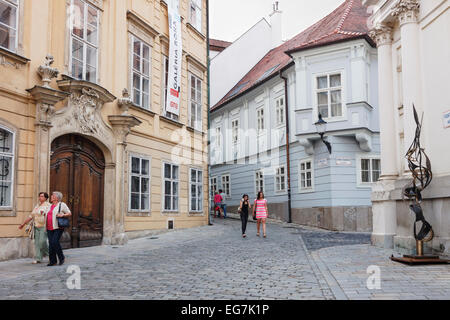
x: 62, y: 222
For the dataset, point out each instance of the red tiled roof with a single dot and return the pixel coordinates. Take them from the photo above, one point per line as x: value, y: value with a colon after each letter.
x: 348, y: 21
x: 218, y: 45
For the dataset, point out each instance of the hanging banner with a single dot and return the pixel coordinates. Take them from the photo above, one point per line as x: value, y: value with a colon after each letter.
x: 175, y: 58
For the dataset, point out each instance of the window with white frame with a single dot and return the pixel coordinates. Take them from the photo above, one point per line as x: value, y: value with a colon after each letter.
x: 171, y: 183
x: 329, y: 95
x: 9, y: 20
x: 166, y: 81
x: 218, y: 137
x: 306, y: 179
x: 195, y: 14
x: 6, y: 168
x: 259, y: 181
x: 370, y: 170
x: 235, y: 131
x: 213, y: 186
x: 140, y: 72
x: 280, y: 179
x: 226, y: 185
x: 196, y: 190
x: 139, y: 184
x: 260, y: 120
x: 195, y: 89
x: 280, y: 111
x: 84, y: 41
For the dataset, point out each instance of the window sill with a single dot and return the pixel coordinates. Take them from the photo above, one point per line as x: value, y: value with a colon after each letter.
x: 17, y: 59
x: 7, y: 212
x: 191, y: 129
x: 197, y: 32
x: 146, y: 111
x: 171, y: 121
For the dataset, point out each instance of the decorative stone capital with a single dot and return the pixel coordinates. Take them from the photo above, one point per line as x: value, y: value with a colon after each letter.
x: 125, y: 102
x: 382, y: 35
x: 406, y: 11
x: 46, y: 98
x: 122, y: 125
x: 46, y: 72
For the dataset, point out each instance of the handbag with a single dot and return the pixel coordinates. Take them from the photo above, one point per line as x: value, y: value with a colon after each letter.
x: 29, y: 229
x: 62, y: 222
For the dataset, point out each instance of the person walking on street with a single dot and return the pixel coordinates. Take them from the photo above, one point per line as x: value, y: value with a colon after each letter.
x: 244, y: 209
x: 40, y: 233
x: 261, y: 212
x: 217, y: 202
x: 58, y: 209
x: 223, y: 204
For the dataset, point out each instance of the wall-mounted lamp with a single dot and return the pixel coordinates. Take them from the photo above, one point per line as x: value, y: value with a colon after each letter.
x: 321, y: 127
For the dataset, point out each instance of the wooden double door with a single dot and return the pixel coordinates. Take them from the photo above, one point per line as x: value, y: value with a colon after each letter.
x: 77, y: 170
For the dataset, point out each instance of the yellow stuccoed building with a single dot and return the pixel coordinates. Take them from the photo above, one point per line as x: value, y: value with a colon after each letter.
x: 82, y: 111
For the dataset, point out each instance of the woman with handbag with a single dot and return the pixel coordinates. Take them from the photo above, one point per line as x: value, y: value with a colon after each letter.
x: 36, y: 227
x: 244, y: 209
x: 56, y: 220
x: 260, y: 212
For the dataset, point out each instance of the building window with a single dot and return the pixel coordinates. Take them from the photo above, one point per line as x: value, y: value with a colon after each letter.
x: 329, y: 95
x: 9, y: 20
x: 259, y: 181
x: 218, y: 137
x: 370, y: 170
x: 280, y: 179
x: 235, y: 137
x: 84, y: 41
x: 171, y: 182
x: 195, y: 89
x: 167, y: 114
x: 260, y: 120
x: 226, y: 185
x: 213, y: 186
x: 306, y: 175
x: 196, y: 190
x: 140, y: 184
x: 279, y: 104
x: 140, y: 72
x: 195, y: 15
x: 6, y: 168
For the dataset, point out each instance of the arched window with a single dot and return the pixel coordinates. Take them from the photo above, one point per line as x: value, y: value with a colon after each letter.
x: 6, y: 167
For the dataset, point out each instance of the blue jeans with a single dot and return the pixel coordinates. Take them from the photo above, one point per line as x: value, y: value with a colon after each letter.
x: 224, y: 208
x: 54, y: 247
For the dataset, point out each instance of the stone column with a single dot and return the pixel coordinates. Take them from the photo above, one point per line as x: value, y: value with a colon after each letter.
x: 45, y: 98
x: 407, y: 13
x: 301, y: 83
x: 383, y: 37
x: 384, y: 209
x: 121, y: 125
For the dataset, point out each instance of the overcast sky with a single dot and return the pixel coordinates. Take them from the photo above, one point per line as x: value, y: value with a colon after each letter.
x: 229, y: 19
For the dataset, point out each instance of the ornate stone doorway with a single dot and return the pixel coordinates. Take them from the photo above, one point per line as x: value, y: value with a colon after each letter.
x: 77, y: 169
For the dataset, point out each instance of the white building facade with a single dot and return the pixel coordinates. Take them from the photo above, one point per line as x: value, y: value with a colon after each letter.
x: 414, y: 62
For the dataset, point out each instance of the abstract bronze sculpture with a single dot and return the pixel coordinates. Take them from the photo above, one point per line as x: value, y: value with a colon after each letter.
x: 420, y: 166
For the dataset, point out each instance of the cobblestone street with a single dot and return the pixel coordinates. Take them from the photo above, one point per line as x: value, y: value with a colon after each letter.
x: 215, y: 262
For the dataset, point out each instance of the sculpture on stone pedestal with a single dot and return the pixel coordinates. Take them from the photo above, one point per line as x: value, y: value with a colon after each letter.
x: 420, y: 166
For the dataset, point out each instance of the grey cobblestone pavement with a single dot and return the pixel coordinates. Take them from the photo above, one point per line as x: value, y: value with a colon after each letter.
x: 215, y: 262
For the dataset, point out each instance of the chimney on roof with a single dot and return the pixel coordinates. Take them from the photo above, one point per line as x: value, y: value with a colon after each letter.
x: 276, y: 25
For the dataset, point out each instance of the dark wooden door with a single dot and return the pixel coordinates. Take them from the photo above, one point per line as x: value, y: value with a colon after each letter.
x: 77, y: 170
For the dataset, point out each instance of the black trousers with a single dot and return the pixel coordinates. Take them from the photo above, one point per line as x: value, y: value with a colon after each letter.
x: 244, y: 220
x: 54, y: 247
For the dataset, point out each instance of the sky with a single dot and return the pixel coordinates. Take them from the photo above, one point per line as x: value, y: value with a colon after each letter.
x: 229, y: 19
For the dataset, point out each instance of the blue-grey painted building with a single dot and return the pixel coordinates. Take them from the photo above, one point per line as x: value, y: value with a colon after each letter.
x: 331, y: 69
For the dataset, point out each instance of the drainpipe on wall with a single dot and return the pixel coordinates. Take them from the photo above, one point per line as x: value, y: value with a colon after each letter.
x: 288, y: 162
x: 209, y: 101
